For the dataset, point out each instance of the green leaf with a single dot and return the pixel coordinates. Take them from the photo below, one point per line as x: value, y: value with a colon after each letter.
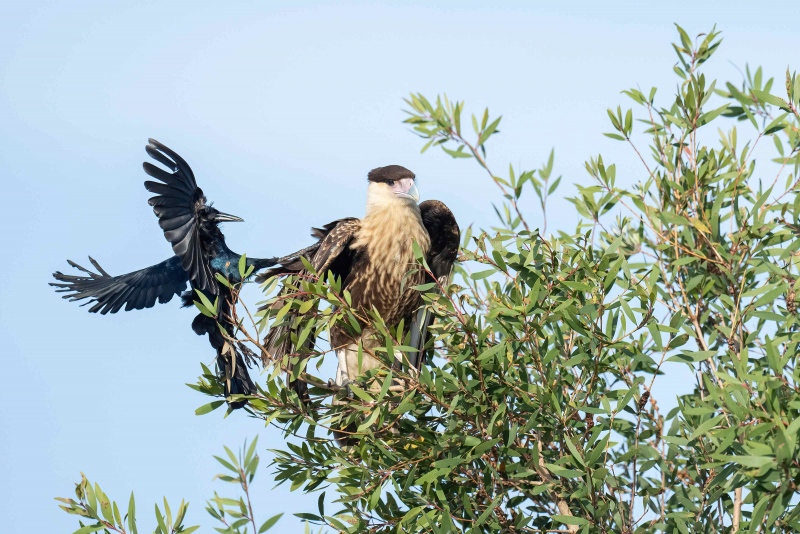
x: 569, y: 520
x: 693, y: 356
x: 705, y: 118
x: 251, y: 450
x: 160, y: 519
x: 105, y: 504
x: 746, y: 461
x: 489, y: 509
x: 772, y: 100
x: 574, y: 451
x: 269, y: 523
x: 563, y: 471
x: 685, y: 41
x: 242, y: 266
x: 459, y: 153
x: 432, y: 475
x: 210, y: 407
x: 89, y: 528
x: 703, y: 428
x: 212, y: 308
x: 483, y: 274
x: 131, y: 515
x: 776, y: 126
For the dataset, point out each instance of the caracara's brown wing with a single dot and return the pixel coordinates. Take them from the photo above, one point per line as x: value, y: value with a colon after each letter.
x: 334, y: 251
x: 332, y: 240
x: 330, y: 253
x: 445, y: 239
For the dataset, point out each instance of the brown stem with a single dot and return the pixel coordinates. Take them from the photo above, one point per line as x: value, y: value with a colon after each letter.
x: 737, y: 509
x: 633, y: 476
x: 482, y: 162
x: 561, y: 504
x: 243, y: 476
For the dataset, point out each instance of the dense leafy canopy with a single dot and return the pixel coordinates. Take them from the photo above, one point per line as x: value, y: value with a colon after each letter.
x: 536, y: 412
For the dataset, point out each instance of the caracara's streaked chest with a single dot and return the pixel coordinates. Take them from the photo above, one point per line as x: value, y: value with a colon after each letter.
x: 384, y: 250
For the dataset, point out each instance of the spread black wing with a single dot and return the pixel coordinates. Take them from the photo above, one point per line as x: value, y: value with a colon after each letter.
x: 330, y: 253
x: 177, y: 204
x: 137, y: 290
x: 445, y: 238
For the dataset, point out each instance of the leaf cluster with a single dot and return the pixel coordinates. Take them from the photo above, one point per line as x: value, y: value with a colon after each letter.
x: 537, y: 411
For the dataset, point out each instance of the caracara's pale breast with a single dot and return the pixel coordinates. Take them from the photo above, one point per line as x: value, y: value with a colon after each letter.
x: 384, y: 245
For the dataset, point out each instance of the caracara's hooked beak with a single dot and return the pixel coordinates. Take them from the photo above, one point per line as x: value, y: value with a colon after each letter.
x: 406, y: 188
x: 225, y: 217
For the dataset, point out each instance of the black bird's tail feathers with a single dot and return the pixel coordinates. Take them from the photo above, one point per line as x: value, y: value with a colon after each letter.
x: 235, y: 377
x: 231, y: 371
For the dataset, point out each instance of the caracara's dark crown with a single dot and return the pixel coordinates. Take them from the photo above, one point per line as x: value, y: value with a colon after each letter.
x: 388, y: 173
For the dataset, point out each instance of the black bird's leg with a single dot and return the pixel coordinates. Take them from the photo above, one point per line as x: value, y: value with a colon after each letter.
x: 301, y: 388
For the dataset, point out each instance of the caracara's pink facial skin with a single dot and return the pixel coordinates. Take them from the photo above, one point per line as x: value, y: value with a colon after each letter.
x: 406, y: 188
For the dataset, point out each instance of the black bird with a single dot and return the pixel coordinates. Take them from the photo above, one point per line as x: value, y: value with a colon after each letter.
x: 191, y: 225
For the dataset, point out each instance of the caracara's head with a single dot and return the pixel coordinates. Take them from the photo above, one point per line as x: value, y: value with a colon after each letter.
x: 391, y: 186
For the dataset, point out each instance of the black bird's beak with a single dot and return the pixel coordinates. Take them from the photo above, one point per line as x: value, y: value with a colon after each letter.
x: 224, y: 217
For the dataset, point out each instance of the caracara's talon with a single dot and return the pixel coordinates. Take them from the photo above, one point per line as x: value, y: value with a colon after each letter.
x: 349, y: 392
x: 398, y: 385
x: 342, y: 390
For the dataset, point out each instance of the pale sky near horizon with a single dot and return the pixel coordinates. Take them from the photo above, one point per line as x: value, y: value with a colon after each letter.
x: 280, y: 109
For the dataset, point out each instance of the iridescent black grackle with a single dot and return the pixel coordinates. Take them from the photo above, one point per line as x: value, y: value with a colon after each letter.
x: 192, y: 227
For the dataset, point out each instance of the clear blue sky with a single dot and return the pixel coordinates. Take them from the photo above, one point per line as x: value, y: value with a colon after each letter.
x: 281, y: 111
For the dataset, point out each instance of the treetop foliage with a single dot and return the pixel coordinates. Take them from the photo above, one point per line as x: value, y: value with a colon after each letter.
x: 536, y: 413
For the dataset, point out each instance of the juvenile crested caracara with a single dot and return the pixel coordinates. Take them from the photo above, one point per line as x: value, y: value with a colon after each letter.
x: 372, y: 257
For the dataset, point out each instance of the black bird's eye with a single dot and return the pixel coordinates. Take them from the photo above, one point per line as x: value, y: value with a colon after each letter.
x: 391, y: 183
